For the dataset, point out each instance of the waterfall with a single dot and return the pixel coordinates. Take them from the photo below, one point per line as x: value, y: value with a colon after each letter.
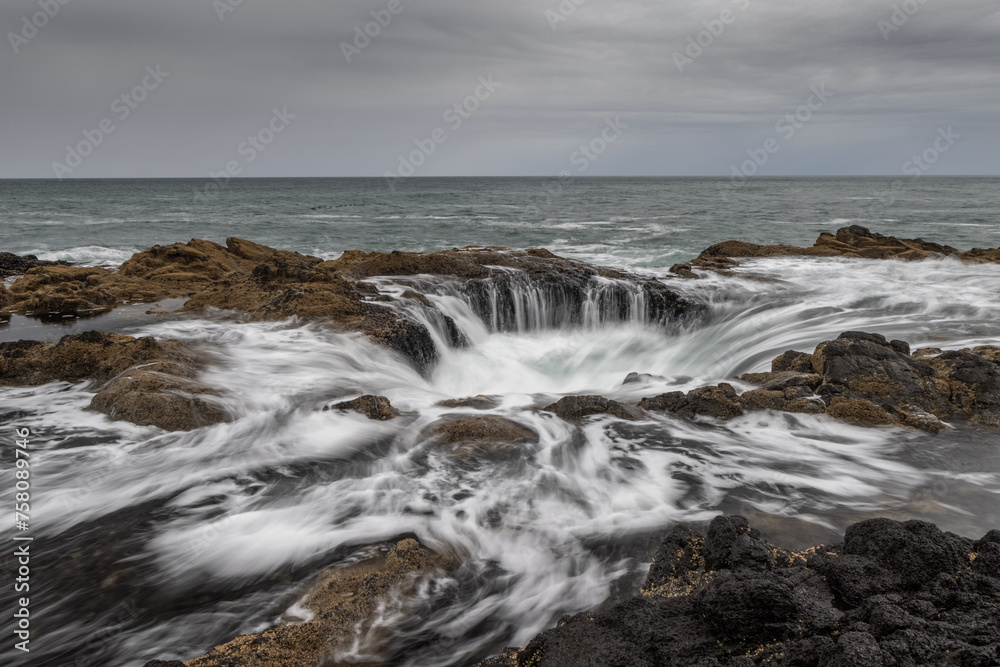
x: 514, y: 301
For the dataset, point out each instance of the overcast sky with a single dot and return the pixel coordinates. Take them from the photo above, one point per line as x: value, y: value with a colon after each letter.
x: 889, y: 87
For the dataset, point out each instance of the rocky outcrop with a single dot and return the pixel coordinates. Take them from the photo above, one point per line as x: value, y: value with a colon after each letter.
x: 162, y: 395
x: 63, y: 290
x: 720, y: 402
x: 479, y: 402
x: 344, y: 601
x: 576, y: 408
x: 891, y: 594
x: 139, y: 380
x: 479, y: 435
x: 853, y: 241
x: 267, y: 284
x: 15, y: 265
x: 376, y: 408
x: 864, y: 379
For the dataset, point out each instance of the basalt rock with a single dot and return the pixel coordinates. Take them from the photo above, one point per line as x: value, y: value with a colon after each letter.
x: 474, y: 402
x: 854, y: 241
x: 480, y: 430
x: 139, y: 380
x: 376, y: 408
x: 720, y: 402
x: 343, y: 601
x: 576, y: 408
x: 892, y: 594
x: 15, y: 265
x: 863, y: 379
x: 267, y: 284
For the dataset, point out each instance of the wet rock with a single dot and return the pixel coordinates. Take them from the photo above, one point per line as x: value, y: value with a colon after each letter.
x: 854, y: 241
x: 797, y: 362
x: 159, y: 396
x: 864, y: 379
x: 972, y: 380
x: 268, y: 284
x: 14, y: 265
x: 87, y: 356
x: 576, y: 408
x: 475, y: 402
x: 679, y: 555
x: 720, y: 402
x: 916, y: 551
x: 892, y: 594
x: 344, y: 601
x: 640, y: 378
x: 139, y: 380
x: 858, y: 411
x: 805, y: 406
x: 763, y: 399
x: 164, y: 663
x: 672, y: 401
x: 781, y: 380
x: 376, y: 408
x: 62, y: 290
x: 481, y: 430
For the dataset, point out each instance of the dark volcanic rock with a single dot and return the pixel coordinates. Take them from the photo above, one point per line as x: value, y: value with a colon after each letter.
x: 377, y: 408
x: 14, y: 265
x: 720, y: 402
x: 892, y: 594
x: 475, y: 402
x: 864, y: 379
x: 576, y: 408
x: 853, y: 241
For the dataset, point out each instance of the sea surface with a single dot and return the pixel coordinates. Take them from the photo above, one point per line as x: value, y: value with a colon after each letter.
x: 162, y: 545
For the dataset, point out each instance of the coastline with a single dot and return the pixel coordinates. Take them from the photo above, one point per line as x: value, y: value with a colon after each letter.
x: 861, y: 378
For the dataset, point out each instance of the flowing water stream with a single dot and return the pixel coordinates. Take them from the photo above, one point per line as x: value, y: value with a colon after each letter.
x: 161, y: 545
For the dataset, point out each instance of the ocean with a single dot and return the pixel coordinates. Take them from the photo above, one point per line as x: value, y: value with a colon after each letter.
x: 162, y: 545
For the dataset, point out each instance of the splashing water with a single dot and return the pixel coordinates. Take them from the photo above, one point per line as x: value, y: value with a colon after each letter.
x: 238, y: 512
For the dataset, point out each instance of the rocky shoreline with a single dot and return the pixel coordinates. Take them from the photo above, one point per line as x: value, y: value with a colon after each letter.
x: 890, y: 594
x: 860, y: 378
x: 855, y: 242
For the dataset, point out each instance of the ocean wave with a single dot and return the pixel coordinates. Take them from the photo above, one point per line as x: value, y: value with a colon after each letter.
x: 91, y: 255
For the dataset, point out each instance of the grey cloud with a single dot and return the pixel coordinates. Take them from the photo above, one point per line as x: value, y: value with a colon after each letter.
x: 609, y: 58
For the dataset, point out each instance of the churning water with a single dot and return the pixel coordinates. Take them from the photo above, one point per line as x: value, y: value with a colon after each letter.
x: 161, y: 545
